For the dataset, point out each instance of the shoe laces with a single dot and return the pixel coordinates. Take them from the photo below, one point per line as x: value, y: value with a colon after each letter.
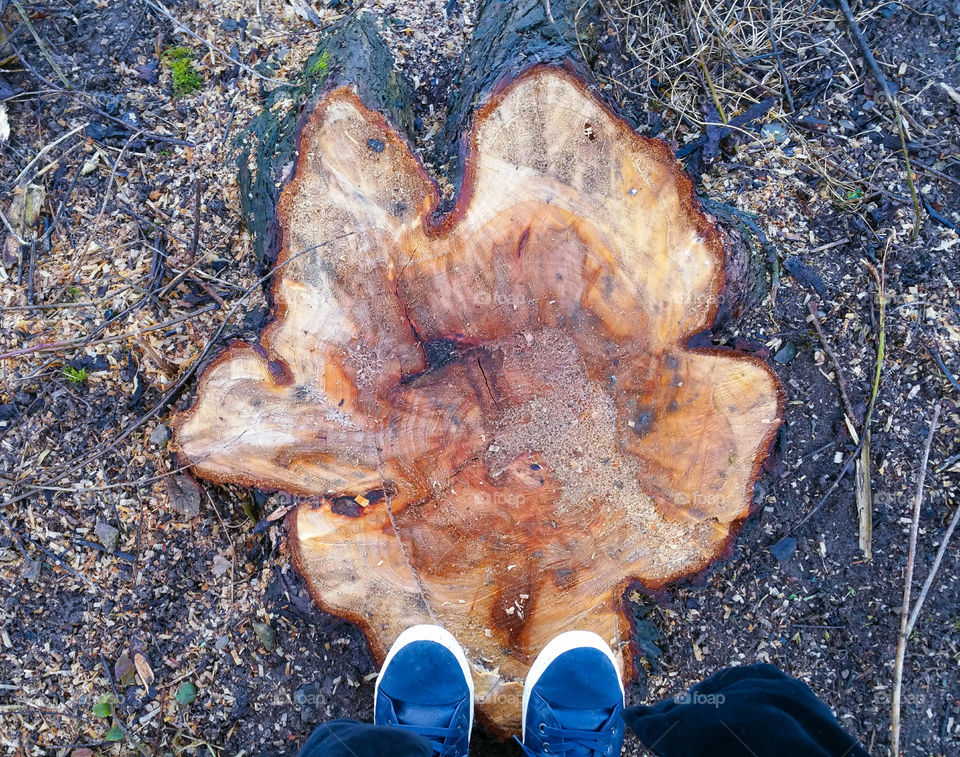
x: 437, y: 737
x: 570, y: 741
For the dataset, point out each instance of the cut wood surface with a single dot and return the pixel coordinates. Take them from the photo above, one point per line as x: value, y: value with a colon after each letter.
x: 493, y: 418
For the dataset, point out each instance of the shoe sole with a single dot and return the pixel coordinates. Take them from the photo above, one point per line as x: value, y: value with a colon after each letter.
x: 441, y: 636
x: 558, y: 645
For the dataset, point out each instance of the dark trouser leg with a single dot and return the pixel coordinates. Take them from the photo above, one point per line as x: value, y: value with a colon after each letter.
x: 351, y: 738
x: 750, y: 711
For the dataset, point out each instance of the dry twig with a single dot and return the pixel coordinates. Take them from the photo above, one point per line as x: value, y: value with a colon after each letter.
x: 863, y: 483
x: 907, y: 582
x: 931, y: 576
x: 841, y: 384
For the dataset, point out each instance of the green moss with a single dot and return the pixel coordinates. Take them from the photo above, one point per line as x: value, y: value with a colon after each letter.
x: 319, y: 66
x: 185, y: 77
x: 76, y: 376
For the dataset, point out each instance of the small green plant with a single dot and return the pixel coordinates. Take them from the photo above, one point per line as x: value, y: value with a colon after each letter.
x: 74, y: 292
x: 103, y: 708
x: 185, y: 77
x: 75, y: 376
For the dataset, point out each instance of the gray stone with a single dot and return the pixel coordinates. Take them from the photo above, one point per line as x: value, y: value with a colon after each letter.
x: 160, y: 435
x: 783, y: 550
x: 109, y: 536
x: 786, y: 353
x: 266, y: 634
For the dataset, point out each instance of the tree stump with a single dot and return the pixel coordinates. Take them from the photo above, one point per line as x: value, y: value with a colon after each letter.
x: 492, y: 417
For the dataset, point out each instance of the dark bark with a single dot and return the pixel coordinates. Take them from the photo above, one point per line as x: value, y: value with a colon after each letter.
x: 350, y: 53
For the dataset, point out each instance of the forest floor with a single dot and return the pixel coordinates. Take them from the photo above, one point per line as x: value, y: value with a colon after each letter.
x: 144, y: 612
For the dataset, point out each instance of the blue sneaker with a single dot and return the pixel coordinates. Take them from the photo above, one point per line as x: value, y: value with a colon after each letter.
x: 425, y: 686
x: 572, y: 699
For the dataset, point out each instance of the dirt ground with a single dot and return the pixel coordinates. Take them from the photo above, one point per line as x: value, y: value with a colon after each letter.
x: 143, y: 612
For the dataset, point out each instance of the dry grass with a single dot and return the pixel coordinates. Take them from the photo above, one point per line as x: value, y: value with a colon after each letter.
x: 701, y: 64
x: 694, y: 58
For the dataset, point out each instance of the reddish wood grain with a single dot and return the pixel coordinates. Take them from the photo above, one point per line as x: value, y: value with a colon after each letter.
x: 498, y: 411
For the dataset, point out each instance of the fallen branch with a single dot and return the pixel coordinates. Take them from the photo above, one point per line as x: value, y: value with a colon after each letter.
x: 905, y: 626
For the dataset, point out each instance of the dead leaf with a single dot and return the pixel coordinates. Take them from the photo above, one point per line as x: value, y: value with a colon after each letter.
x: 143, y: 669
x: 10, y: 252
x: 303, y: 10
x: 90, y: 164
x: 123, y: 670
x: 184, y: 495
x: 951, y: 92
x: 26, y: 202
x: 33, y: 204
x: 278, y: 513
x: 220, y: 565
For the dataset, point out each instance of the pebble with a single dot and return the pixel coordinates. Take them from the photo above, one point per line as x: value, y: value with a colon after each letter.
x: 774, y: 131
x: 786, y: 353
x: 267, y: 636
x: 783, y: 550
